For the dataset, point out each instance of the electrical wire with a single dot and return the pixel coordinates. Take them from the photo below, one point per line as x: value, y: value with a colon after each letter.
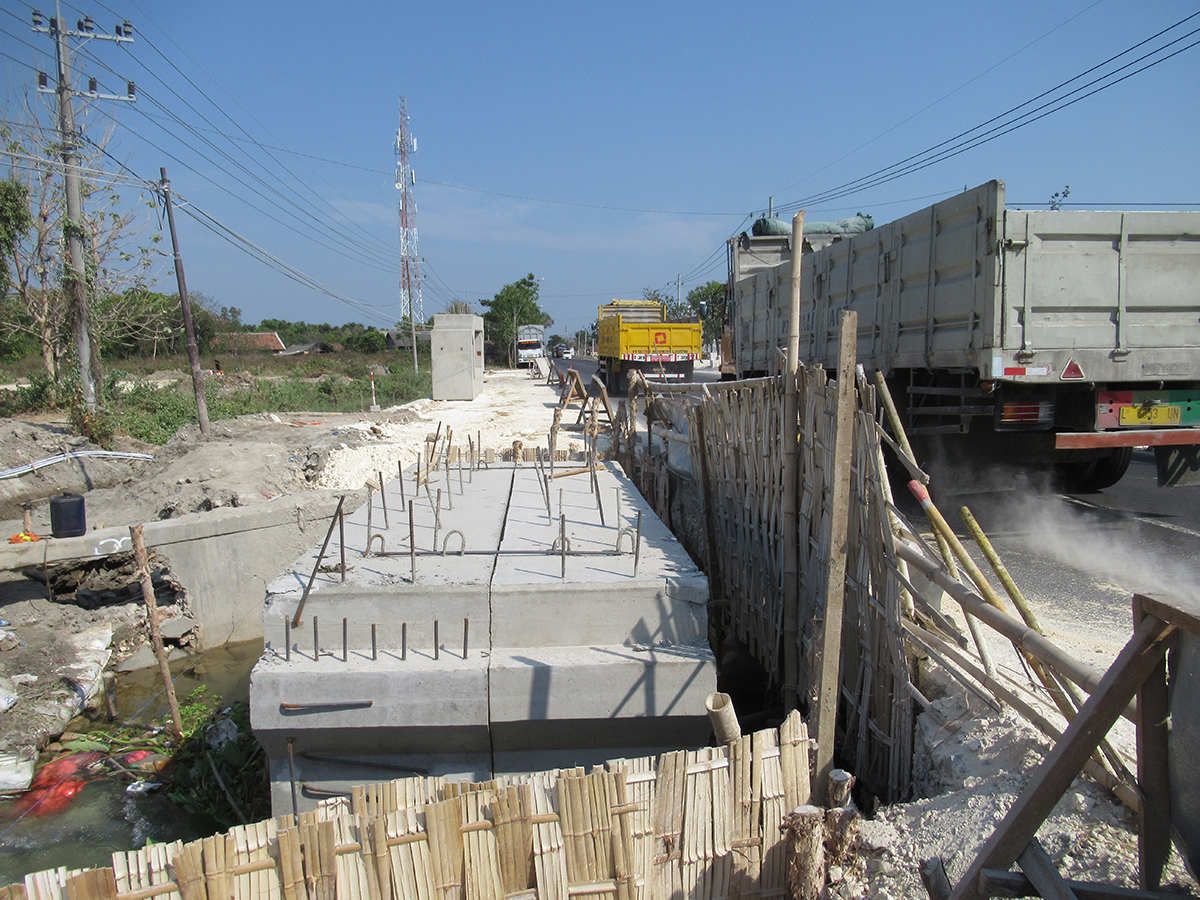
x: 961, y: 142
x: 945, y: 96
x: 246, y: 245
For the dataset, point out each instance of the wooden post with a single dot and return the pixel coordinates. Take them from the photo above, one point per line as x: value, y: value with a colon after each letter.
x: 791, y: 463
x: 1133, y: 665
x: 143, y: 567
x: 835, y: 565
x: 1154, y: 813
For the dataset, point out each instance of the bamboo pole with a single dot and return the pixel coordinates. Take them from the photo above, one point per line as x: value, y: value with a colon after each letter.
x: 791, y: 440
x: 143, y: 566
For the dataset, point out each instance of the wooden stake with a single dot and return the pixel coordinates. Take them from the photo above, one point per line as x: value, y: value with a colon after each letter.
x: 143, y: 566
x: 835, y: 568
x: 805, y: 830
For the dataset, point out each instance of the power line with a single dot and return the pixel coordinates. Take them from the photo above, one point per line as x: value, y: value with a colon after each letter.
x: 948, y: 94
x: 254, y: 250
x: 936, y: 153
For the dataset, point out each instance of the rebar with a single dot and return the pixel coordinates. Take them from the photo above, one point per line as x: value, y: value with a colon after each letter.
x: 317, y: 566
x: 412, y: 542
x: 466, y: 631
x: 374, y: 644
x: 345, y: 639
x: 383, y: 501
x: 370, y: 511
x: 436, y: 648
x: 292, y: 778
x: 437, y: 518
x: 341, y: 517
x: 637, y: 544
x: 599, y: 504
x: 400, y: 478
x: 287, y: 640
x: 562, y: 536
x: 403, y: 641
x: 316, y: 642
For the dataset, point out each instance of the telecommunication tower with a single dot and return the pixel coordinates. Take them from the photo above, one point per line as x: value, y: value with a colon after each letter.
x: 410, y: 263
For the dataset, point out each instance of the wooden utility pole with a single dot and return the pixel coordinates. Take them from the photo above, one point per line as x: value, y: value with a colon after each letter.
x: 835, y: 565
x: 192, y: 350
x: 791, y: 463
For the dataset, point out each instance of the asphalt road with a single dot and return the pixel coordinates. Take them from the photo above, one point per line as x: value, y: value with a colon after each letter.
x: 1079, y: 558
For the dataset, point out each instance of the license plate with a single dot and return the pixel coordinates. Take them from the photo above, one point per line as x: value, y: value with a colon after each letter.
x: 1151, y: 415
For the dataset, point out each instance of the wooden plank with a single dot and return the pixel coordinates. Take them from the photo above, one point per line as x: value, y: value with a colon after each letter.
x: 996, y: 883
x: 1133, y: 665
x: 835, y: 566
x: 1037, y: 865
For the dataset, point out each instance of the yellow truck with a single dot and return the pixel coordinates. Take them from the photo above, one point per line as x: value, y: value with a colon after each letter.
x: 634, y: 334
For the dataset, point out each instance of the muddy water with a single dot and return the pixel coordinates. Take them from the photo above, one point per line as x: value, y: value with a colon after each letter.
x: 103, y: 819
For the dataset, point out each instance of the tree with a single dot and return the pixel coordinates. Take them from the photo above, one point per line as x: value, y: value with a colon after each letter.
x: 38, y: 305
x: 676, y: 310
x: 515, y: 305
x: 708, y: 302
x: 14, y: 222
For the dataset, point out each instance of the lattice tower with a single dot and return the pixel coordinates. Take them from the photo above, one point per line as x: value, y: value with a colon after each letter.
x: 410, y: 261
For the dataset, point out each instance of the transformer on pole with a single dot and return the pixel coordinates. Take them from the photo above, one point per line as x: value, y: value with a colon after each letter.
x: 410, y: 263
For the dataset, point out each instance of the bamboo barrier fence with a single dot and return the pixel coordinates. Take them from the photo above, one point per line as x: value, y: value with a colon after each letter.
x: 736, y: 443
x: 702, y: 824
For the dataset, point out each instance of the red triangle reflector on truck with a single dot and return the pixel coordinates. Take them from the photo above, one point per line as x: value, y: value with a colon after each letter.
x: 1072, y: 372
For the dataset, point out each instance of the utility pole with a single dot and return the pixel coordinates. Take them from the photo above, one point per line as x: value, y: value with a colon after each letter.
x: 192, y: 350
x: 69, y: 139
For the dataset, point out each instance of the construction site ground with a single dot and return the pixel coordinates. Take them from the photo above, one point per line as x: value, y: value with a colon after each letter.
x: 972, y: 761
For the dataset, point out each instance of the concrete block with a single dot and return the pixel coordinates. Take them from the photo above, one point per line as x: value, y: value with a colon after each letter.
x: 420, y: 691
x: 602, y: 683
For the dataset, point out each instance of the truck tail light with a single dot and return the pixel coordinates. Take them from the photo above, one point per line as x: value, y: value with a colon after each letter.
x: 1027, y: 412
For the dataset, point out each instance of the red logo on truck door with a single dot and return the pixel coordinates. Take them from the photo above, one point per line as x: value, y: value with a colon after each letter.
x: 660, y: 337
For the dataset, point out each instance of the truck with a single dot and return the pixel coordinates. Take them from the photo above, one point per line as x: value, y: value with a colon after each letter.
x: 1050, y: 339
x: 531, y: 344
x: 635, y: 335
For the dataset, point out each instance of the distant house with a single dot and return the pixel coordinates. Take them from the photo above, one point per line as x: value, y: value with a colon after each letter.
x: 306, y: 349
x: 246, y: 342
x: 401, y: 338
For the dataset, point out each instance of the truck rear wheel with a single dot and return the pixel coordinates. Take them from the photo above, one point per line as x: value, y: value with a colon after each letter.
x: 1109, y: 470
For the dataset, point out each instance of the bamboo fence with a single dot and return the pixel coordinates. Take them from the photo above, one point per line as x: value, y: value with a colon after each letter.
x: 736, y: 442
x: 702, y: 824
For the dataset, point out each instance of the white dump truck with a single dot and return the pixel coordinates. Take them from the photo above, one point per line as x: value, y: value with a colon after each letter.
x: 531, y: 344
x: 1035, y: 337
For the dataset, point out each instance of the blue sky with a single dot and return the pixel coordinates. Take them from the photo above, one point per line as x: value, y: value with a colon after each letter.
x: 657, y: 129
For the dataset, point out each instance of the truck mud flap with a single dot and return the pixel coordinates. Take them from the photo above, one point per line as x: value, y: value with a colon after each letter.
x: 1178, y: 465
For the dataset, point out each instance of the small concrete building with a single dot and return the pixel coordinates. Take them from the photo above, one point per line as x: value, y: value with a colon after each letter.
x: 488, y: 644
x: 457, y: 348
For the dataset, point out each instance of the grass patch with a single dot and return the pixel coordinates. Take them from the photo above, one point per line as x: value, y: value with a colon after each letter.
x: 152, y: 411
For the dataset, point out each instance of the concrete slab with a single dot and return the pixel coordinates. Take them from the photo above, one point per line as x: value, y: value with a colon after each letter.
x: 588, y: 663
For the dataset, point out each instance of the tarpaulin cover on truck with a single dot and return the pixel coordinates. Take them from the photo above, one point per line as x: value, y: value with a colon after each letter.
x: 853, y: 225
